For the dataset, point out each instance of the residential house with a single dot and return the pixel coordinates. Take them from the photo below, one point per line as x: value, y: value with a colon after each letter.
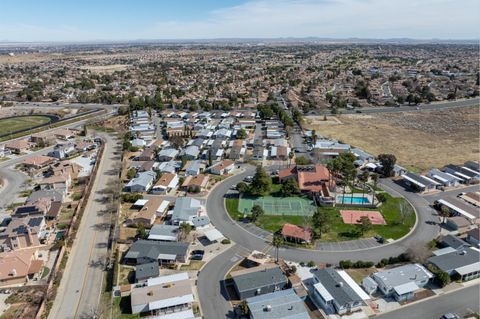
x: 164, y: 232
x: 237, y: 150
x: 65, y: 134
x: 279, y: 153
x: 169, y: 167
x: 59, y: 182
x: 146, y: 271
x: 170, y: 294
x: 284, y: 304
x: 167, y: 154
x: 193, y: 168
x: 419, y: 183
x: 141, y: 183
x: 336, y: 292
x: 468, y: 175
x: 165, y: 183
x: 145, y: 251
x: 222, y: 168
x: 465, y: 263
x: 446, y: 179
x: 474, y: 165
x: 473, y: 237
x: 296, y: 234
x: 185, y: 209
x: 38, y: 161
x: 62, y: 151
x: 195, y: 184
x: 454, y: 242
x: 459, y: 207
x: 191, y: 152
x: 148, y: 154
x: 155, y: 206
x: 17, y: 146
x: 22, y: 233
x: 260, y: 280
x: 42, y: 138
x: 400, y: 283
x: 19, y: 267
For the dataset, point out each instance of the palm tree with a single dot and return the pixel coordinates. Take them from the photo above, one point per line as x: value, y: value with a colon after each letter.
x: 444, y: 213
x: 363, y: 178
x: 290, y: 157
x: 374, y: 177
x: 277, y: 241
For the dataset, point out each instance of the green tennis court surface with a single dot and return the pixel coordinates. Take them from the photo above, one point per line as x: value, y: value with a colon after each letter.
x: 294, y: 206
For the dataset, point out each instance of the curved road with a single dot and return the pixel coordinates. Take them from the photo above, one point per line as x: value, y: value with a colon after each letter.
x: 210, y: 279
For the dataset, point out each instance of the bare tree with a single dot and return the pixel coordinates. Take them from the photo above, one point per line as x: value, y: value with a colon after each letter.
x: 418, y: 253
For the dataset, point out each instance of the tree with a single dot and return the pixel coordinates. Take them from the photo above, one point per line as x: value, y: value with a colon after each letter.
x: 365, y: 224
x: 131, y: 173
x: 210, y: 157
x: 374, y: 178
x: 242, y: 187
x: 277, y: 242
x: 256, y: 211
x: 242, y: 134
x: 291, y: 155
x: 141, y: 232
x: 261, y: 183
x: 418, y: 253
x: 314, y: 137
x: 302, y: 160
x: 443, y: 278
x: 444, y: 213
x: 388, y: 163
x: 122, y: 110
x: 184, y: 230
x: 364, y: 179
x: 289, y: 188
x: 321, y: 221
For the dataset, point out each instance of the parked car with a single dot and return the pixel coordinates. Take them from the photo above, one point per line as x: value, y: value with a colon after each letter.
x: 379, y: 239
x: 248, y: 179
x: 197, y: 255
x: 450, y: 315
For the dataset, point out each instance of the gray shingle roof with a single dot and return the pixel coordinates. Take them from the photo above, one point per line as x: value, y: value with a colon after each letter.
x: 401, y: 275
x: 284, y: 304
x: 258, y: 279
x: 185, y: 208
x: 454, y: 260
x: 152, y: 249
x: 336, y: 286
x: 147, y: 270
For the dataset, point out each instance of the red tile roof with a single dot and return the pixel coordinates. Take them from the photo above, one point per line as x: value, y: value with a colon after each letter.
x: 290, y: 230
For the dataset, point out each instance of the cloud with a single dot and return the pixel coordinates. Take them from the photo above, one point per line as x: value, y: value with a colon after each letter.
x: 421, y: 19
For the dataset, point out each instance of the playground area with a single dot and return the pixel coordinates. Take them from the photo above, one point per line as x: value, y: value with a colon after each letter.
x: 353, y: 217
x: 278, y: 206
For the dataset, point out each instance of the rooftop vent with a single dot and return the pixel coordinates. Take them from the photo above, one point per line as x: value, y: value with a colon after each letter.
x: 267, y: 308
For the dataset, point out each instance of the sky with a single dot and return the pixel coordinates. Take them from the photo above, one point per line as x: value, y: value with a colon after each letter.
x: 119, y: 20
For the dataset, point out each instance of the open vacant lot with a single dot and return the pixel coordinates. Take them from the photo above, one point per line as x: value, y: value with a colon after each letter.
x: 15, y: 124
x: 419, y: 140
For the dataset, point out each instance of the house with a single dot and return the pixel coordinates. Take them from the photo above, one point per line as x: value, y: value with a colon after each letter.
x: 148, y: 154
x: 336, y: 292
x: 195, y: 184
x: 400, y: 283
x: 296, y: 234
x: 62, y: 151
x: 475, y: 165
x: 473, y: 237
x: 258, y: 153
x: 468, y: 175
x: 17, y: 146
x: 446, y: 179
x: 167, y: 154
x: 237, y: 150
x: 454, y: 242
x: 284, y: 304
x: 60, y: 182
x: 65, y: 134
x: 155, y: 206
x: 193, y: 168
x: 185, y: 209
x: 169, y: 167
x: 464, y: 263
x: 260, y: 280
x: 42, y: 138
x: 145, y: 251
x: 22, y: 233
x: 191, y: 152
x: 19, y: 266
x: 146, y: 271
x: 164, y: 232
x: 362, y: 156
x: 38, y: 161
x: 279, y: 153
x: 142, y: 183
x: 146, y: 166
x: 419, y: 183
x: 458, y: 207
x: 458, y: 223
x: 222, y: 168
x: 170, y: 294
x: 165, y: 183
x: 49, y: 194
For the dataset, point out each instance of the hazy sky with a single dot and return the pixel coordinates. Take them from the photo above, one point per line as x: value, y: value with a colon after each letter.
x: 83, y: 20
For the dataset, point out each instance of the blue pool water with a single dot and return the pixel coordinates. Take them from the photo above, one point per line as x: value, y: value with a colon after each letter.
x: 352, y: 200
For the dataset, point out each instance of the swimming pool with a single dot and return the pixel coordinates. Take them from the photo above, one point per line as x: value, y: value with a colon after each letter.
x: 349, y: 199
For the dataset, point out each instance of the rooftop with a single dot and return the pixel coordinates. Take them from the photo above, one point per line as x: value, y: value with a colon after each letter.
x: 284, y: 304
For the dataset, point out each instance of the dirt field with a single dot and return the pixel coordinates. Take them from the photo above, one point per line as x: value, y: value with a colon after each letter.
x: 419, y: 140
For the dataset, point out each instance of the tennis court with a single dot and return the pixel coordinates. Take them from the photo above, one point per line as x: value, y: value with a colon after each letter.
x: 353, y: 217
x: 294, y: 206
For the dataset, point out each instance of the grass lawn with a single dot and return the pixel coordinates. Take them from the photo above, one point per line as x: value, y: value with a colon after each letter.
x: 122, y: 308
x: 20, y: 123
x: 360, y: 273
x: 45, y: 272
x: 193, y: 265
x: 339, y: 231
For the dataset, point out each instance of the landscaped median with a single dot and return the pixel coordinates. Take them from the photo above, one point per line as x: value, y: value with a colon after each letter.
x: 397, y: 213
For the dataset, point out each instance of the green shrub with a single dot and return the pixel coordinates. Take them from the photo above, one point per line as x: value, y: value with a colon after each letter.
x: 311, y: 263
x: 225, y: 241
x: 345, y: 264
x: 131, y: 197
x: 382, y: 197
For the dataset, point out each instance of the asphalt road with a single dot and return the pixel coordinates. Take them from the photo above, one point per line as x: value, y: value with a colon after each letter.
x: 215, y: 270
x: 413, y: 108
x: 81, y: 285
x: 461, y: 302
